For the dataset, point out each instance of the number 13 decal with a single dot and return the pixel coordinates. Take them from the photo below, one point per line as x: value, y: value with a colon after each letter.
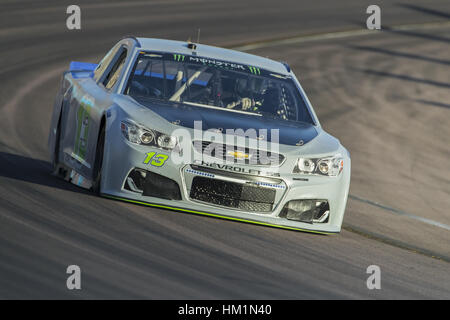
x: 155, y: 159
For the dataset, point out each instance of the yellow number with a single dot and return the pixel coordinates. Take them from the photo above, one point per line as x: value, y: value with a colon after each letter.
x: 149, y: 157
x: 157, y: 160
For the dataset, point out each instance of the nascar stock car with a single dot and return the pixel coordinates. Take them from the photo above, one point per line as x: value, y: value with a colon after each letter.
x: 199, y: 129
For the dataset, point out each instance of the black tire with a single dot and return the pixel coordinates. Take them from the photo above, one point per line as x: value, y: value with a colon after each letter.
x: 97, y: 172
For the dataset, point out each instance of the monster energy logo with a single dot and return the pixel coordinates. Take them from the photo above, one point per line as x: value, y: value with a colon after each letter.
x: 254, y: 70
x: 178, y: 57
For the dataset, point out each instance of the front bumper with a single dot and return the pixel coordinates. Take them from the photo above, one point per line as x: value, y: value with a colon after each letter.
x: 122, y: 157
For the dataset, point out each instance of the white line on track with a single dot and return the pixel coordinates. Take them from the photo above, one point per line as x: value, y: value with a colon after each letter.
x: 338, y: 35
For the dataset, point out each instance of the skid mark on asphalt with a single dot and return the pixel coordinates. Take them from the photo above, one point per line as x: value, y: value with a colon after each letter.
x: 395, y: 243
x: 401, y: 213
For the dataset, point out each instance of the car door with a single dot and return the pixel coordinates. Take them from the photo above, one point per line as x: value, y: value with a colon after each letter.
x: 90, y: 98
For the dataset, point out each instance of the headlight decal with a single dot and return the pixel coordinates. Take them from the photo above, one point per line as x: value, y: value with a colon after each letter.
x: 327, y: 166
x: 139, y: 134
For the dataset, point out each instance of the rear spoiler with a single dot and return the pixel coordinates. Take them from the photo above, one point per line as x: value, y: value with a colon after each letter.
x: 82, y: 69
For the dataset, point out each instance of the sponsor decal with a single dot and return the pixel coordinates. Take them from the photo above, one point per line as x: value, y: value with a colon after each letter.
x: 238, y: 154
x: 235, y: 169
x: 178, y: 57
x: 216, y: 63
x: 209, y: 62
x: 83, y: 122
x: 254, y: 70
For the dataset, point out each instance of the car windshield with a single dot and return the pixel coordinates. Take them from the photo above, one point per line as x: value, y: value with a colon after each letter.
x: 213, y: 83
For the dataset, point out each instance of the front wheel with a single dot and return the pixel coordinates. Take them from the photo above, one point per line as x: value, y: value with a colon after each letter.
x: 97, y: 173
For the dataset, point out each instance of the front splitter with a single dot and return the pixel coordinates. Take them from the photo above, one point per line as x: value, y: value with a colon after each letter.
x: 214, y: 215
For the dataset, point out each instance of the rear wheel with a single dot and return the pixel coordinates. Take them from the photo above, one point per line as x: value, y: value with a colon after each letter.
x: 97, y: 173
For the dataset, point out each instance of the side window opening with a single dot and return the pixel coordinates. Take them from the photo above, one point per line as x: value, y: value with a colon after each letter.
x: 148, y: 79
x: 113, y: 75
x: 105, y: 62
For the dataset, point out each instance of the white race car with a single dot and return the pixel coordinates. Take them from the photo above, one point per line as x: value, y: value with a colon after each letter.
x: 199, y: 129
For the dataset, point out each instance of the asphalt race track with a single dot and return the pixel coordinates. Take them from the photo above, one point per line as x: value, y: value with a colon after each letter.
x: 384, y: 94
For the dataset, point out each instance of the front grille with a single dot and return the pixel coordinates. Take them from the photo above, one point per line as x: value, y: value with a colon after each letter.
x: 252, y: 156
x: 246, y: 197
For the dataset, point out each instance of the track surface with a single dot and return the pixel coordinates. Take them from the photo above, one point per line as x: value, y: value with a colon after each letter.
x: 386, y: 96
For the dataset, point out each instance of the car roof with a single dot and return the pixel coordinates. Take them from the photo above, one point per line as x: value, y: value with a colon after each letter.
x: 206, y: 51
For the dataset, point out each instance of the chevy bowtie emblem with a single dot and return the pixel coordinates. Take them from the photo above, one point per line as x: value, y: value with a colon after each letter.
x: 238, y: 154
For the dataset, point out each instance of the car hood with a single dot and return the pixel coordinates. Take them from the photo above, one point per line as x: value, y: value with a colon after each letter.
x: 290, y: 132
